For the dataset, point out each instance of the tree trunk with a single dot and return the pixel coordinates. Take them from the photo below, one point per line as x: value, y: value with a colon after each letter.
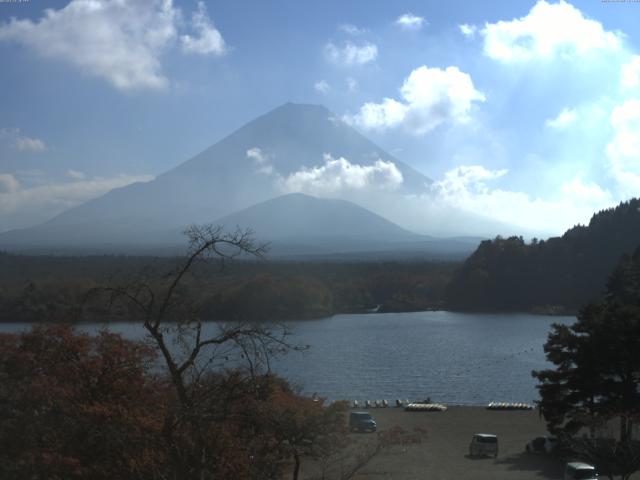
x: 624, y: 429
x: 296, y: 468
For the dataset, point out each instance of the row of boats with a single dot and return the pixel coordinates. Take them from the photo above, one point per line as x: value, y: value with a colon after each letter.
x: 428, y: 406
x: 509, y: 406
x: 425, y: 407
x: 375, y: 404
x: 379, y: 403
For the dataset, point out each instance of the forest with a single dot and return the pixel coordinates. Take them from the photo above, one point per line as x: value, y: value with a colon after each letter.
x: 553, y: 276
x: 52, y: 288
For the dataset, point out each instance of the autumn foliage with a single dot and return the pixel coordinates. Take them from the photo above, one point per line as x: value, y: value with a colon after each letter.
x: 75, y: 406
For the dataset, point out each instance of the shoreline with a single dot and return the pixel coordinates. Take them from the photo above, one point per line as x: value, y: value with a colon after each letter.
x: 532, y: 312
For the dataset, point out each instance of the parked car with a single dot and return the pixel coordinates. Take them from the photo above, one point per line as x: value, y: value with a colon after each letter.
x: 580, y: 471
x: 544, y: 444
x: 362, y: 422
x: 483, y: 444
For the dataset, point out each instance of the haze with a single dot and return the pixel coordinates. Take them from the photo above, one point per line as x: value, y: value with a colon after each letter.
x: 476, y: 119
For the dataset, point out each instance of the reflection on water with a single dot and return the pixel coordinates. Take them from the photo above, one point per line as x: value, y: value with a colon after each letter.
x: 449, y: 357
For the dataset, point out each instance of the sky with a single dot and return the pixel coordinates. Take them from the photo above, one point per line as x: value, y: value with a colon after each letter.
x: 527, y: 112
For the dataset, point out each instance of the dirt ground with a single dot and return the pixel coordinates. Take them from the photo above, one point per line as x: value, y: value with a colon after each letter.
x: 443, y: 455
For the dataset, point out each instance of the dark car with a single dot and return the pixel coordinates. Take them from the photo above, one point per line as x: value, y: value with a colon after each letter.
x: 545, y: 444
x: 484, y: 444
x: 362, y: 422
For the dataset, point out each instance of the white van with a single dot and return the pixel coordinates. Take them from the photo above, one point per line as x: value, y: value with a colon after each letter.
x: 483, y: 444
x: 580, y: 471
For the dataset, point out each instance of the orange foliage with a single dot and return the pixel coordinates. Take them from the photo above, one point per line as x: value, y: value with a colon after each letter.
x: 76, y: 406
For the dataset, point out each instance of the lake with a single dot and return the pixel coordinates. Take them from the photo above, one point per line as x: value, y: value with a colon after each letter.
x: 458, y: 358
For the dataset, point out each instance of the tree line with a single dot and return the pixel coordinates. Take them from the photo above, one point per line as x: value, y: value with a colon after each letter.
x: 49, y: 289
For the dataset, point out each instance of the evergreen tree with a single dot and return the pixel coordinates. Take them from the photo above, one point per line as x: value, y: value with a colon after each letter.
x: 596, y: 379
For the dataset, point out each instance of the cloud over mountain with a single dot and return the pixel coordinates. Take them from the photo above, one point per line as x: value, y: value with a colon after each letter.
x: 429, y: 97
x: 339, y: 175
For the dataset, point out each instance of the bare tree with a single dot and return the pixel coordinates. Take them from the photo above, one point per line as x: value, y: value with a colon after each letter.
x: 612, y: 456
x: 191, y: 349
x: 362, y: 453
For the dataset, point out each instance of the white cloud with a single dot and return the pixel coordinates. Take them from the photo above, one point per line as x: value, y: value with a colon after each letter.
x: 261, y: 160
x: 624, y: 149
x: 549, y: 30
x: 352, y: 84
x: 409, y: 21
x: 467, y: 188
x: 209, y: 40
x: 322, y: 86
x: 351, y: 29
x: 430, y: 97
x: 117, y: 40
x: 120, y: 41
x: 339, y: 175
x: 565, y: 118
x: 15, y: 139
x: 351, y: 54
x: 379, y: 116
x: 76, y: 175
x: 590, y: 193
x: 8, y: 183
x: 30, y: 144
x: 41, y: 202
x: 467, y: 30
x: 31, y: 176
x: 630, y: 73
x: 467, y: 179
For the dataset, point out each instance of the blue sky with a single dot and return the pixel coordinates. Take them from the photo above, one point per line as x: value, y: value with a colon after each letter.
x: 525, y: 111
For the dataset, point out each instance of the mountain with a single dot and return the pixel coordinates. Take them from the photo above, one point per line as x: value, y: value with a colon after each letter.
x: 299, y: 225
x: 556, y: 275
x: 299, y: 216
x: 235, y: 173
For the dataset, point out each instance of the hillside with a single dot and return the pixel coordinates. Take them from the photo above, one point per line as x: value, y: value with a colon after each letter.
x: 302, y: 227
x: 300, y: 216
x: 556, y: 275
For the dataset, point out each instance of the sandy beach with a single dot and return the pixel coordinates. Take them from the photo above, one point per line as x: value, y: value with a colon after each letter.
x: 443, y: 455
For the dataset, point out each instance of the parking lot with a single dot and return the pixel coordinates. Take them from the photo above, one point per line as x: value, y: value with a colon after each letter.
x: 444, y: 453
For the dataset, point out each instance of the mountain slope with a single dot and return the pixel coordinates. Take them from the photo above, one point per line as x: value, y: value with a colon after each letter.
x: 220, y: 180
x: 560, y: 274
x: 297, y: 216
x: 298, y: 225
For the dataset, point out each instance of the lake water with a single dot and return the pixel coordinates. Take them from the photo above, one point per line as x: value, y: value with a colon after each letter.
x: 450, y: 357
